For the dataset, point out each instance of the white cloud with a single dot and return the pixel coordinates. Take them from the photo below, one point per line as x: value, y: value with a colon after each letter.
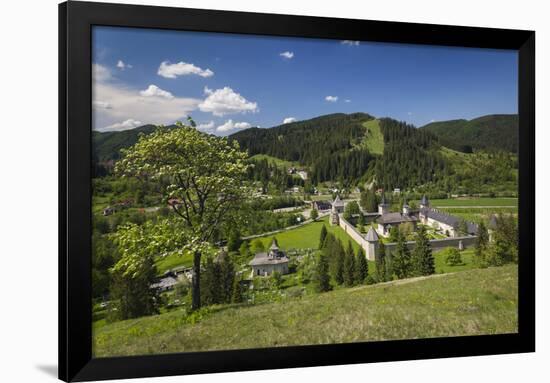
x: 100, y: 73
x: 288, y: 120
x: 225, y: 101
x: 331, y: 98
x: 409, y: 113
x: 126, y: 103
x: 155, y: 91
x: 168, y: 70
x: 101, y: 104
x: 287, y: 55
x: 350, y: 42
x: 347, y: 100
x: 206, y: 126
x: 124, y: 125
x: 229, y: 125
x: 122, y: 65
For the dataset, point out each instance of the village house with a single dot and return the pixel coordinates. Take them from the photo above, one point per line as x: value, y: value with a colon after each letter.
x: 266, y: 263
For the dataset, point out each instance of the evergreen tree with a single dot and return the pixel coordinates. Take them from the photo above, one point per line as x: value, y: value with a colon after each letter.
x: 381, y: 262
x: 481, y: 244
x: 337, y: 255
x: 361, y: 267
x: 349, y: 266
x: 505, y: 246
x: 322, y: 236
x: 322, y: 277
x: 314, y: 214
x: 227, y: 277
x: 368, y: 201
x: 237, y: 293
x: 211, y: 283
x: 423, y: 260
x: 257, y: 246
x: 401, y: 261
x: 351, y: 209
x: 462, y: 227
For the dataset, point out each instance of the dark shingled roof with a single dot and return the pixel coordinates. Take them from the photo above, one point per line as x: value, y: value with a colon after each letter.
x: 395, y: 218
x: 448, y: 219
x: 371, y: 235
x: 265, y: 259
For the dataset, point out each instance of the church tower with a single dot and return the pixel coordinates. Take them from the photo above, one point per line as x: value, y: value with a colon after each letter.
x: 334, y: 219
x: 383, y: 207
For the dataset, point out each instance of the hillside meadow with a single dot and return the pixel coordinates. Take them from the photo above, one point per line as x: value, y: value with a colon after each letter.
x: 473, y: 302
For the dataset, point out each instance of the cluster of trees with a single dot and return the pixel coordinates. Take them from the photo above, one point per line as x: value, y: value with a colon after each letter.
x: 271, y: 175
x: 404, y: 263
x: 342, y: 166
x: 339, y: 265
x: 369, y: 201
x: 219, y: 283
x: 410, y: 157
x: 305, y: 141
x: 277, y: 202
x: 503, y: 247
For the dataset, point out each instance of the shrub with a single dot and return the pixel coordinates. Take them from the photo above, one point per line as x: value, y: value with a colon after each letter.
x: 453, y: 257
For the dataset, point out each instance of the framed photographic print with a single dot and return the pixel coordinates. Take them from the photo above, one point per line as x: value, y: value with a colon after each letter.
x: 250, y: 191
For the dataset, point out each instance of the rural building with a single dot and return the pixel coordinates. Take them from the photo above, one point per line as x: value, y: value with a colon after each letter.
x: 321, y: 205
x: 441, y: 220
x: 266, y: 263
x: 338, y: 204
x: 387, y: 219
x: 108, y: 210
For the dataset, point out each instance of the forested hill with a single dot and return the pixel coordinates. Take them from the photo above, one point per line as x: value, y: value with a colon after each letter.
x: 496, y: 131
x: 107, y: 145
x: 305, y: 141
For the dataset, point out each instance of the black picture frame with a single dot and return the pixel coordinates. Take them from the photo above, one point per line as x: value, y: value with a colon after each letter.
x: 75, y: 327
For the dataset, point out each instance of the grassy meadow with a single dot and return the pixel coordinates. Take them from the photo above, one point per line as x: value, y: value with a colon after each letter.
x: 482, y: 301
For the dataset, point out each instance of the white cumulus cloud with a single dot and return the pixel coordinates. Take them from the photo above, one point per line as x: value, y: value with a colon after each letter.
x: 350, y: 42
x: 287, y: 55
x: 124, y: 125
x: 155, y: 91
x: 100, y: 73
x: 168, y: 70
x: 206, y: 126
x: 229, y: 125
x: 224, y: 101
x: 114, y: 102
x: 288, y: 120
x: 331, y: 98
x: 347, y: 100
x: 122, y: 65
x: 97, y: 104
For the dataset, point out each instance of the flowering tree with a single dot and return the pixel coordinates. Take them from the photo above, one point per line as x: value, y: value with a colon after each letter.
x: 205, y: 175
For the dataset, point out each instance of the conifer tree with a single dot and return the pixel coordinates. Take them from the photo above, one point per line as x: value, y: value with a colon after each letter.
x: 422, y: 257
x: 338, y: 255
x: 482, y: 243
x: 349, y: 266
x: 322, y: 236
x: 402, y: 266
x: 237, y: 293
x: 361, y: 267
x: 381, y: 262
x: 322, y: 277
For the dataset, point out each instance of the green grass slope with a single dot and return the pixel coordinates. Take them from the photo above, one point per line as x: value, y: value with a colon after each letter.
x: 467, y: 303
x: 374, y: 140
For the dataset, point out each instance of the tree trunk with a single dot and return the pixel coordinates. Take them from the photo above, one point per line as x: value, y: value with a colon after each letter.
x: 196, y: 284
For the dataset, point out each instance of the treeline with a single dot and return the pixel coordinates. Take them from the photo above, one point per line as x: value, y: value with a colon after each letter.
x: 271, y: 175
x: 278, y: 202
x: 342, y: 166
x: 410, y: 157
x: 305, y: 141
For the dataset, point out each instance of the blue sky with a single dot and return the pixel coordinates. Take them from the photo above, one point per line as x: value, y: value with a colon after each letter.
x: 231, y: 82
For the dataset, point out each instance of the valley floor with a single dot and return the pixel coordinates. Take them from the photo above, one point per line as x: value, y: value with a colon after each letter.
x: 473, y: 302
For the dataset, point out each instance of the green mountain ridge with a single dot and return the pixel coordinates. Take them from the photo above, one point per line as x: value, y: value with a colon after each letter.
x: 496, y: 131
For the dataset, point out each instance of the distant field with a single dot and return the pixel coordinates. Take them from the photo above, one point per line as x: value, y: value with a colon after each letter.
x: 307, y: 236
x: 474, y: 302
x: 473, y: 202
x: 274, y: 161
x: 478, y: 214
x: 172, y: 261
x: 374, y: 139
